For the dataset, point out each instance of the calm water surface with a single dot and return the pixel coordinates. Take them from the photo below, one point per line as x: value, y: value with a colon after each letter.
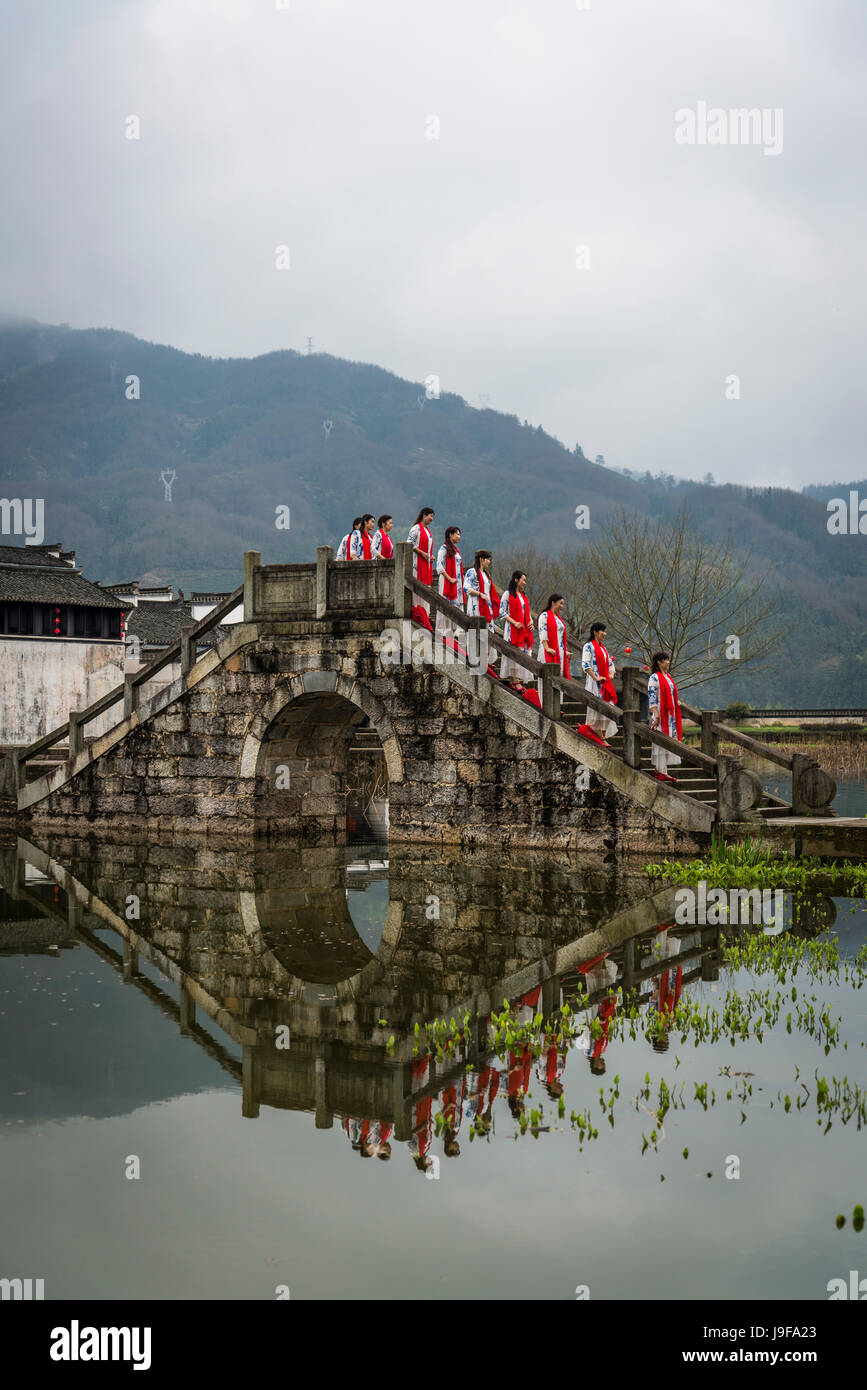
x: 146, y: 999
x: 851, y: 798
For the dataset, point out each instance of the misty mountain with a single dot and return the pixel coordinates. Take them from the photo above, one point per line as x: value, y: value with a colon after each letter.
x: 91, y: 419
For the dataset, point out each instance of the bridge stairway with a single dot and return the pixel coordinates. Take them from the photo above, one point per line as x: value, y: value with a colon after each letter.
x: 692, y: 781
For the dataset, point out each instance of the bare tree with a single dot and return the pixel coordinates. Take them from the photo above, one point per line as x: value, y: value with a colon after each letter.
x: 547, y: 574
x: 664, y: 585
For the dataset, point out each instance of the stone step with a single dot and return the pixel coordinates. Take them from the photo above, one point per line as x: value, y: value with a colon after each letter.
x: 690, y: 780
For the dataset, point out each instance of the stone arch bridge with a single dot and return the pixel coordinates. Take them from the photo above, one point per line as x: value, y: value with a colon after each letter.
x: 251, y: 737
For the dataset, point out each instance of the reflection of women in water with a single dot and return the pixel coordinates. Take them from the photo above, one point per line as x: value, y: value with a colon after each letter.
x: 353, y: 1131
x: 555, y: 1065
x: 422, y: 1133
x: 422, y: 1121
x: 453, y: 1052
x: 376, y: 1139
x: 668, y: 985
x: 524, y: 1008
x: 453, y: 1107
x: 520, y: 1067
x: 483, y: 1091
x: 599, y: 973
x: 520, y: 1064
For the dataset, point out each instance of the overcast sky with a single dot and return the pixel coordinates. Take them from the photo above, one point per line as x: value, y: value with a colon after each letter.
x: 309, y: 127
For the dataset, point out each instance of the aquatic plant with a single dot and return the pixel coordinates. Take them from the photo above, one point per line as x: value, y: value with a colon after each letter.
x: 750, y: 864
x: 745, y: 852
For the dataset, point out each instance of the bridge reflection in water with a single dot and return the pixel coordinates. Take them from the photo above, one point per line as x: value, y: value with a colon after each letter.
x: 316, y: 964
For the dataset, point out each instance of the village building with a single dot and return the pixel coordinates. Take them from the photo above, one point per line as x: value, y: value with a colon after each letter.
x: 155, y: 619
x: 61, y: 642
x: 65, y: 641
x: 203, y: 604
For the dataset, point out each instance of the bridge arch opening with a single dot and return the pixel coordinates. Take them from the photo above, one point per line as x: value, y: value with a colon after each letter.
x: 323, y: 765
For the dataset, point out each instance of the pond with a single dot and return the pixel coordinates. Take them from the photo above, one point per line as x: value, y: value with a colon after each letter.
x: 202, y: 1047
x: 851, y: 798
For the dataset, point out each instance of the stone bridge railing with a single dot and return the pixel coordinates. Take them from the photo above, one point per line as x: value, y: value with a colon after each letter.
x: 328, y: 590
x: 14, y: 768
x: 367, y: 595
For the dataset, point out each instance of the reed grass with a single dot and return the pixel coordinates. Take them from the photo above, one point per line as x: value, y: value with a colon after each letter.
x: 842, y: 757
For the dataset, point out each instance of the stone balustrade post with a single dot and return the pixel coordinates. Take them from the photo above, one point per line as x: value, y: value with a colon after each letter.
x: 324, y: 1119
x: 249, y: 1083
x: 403, y: 595
x: 739, y: 791
x: 9, y: 774
x: 188, y: 650
x: 629, y: 698
x: 252, y: 561
x: 709, y: 739
x: 476, y: 645
x: 324, y: 556
x: 76, y: 733
x: 130, y: 696
x: 813, y: 789
x: 550, y: 693
x: 130, y: 963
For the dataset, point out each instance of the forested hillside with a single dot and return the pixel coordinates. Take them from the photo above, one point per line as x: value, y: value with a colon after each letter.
x: 329, y: 438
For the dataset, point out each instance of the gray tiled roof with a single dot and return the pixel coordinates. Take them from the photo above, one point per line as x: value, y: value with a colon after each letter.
x: 160, y: 623
x: 30, y: 555
x: 28, y: 575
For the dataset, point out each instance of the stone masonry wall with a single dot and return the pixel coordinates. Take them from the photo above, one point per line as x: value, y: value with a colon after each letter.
x: 460, y: 770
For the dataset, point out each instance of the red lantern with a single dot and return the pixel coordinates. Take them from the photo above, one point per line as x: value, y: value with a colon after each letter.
x: 627, y: 650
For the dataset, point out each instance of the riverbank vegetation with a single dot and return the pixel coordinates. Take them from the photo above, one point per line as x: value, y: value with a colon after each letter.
x: 751, y: 863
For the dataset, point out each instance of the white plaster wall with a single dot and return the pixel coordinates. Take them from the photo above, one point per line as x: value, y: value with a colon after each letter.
x: 42, y: 679
x: 167, y: 676
x: 201, y: 610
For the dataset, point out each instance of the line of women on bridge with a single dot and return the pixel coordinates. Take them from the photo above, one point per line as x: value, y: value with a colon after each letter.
x: 473, y: 592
